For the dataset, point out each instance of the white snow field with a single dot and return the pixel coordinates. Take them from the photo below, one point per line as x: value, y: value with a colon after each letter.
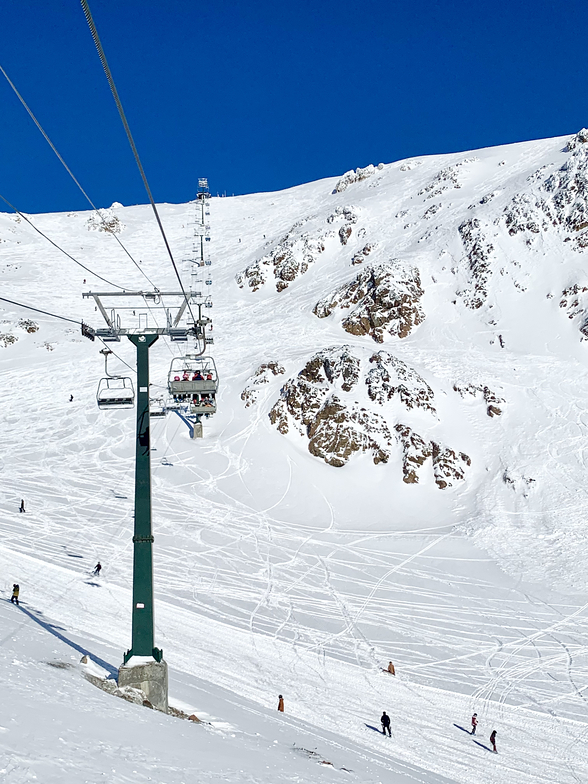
x: 284, y: 570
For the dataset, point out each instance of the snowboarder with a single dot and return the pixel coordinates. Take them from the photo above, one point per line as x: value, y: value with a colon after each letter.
x: 391, y: 669
x: 280, y: 703
x: 71, y: 398
x: 15, y: 593
x: 493, y: 741
x: 474, y: 723
x: 97, y: 569
x: 22, y: 508
x: 385, y: 724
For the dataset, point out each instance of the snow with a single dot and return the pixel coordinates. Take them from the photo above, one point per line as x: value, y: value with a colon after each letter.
x: 276, y: 573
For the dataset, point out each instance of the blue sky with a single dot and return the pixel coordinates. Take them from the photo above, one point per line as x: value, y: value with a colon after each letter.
x: 265, y: 95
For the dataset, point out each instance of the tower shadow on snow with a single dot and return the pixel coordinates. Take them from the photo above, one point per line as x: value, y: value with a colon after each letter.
x: 49, y: 627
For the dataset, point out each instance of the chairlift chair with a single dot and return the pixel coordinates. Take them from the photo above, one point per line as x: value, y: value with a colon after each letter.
x: 115, y: 392
x: 198, y: 394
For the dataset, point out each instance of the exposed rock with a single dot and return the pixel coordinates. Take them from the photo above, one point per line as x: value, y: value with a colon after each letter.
x: 28, y: 325
x: 359, y: 257
x: 415, y: 450
x: 384, y: 300
x: 344, y: 234
x: 580, y: 138
x: 392, y: 377
x: 105, y: 220
x: 574, y: 300
x: 409, y: 165
x: 263, y: 375
x: 492, y: 400
x: 6, y: 339
x: 445, y: 179
x: 448, y: 467
x: 291, y: 258
x: 356, y: 176
x: 433, y: 210
x: 322, y: 404
x: 343, y: 213
x: 478, y: 254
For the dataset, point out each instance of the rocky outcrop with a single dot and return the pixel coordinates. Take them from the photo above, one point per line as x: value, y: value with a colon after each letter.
x: 105, y: 220
x: 574, y: 300
x: 493, y: 402
x: 384, y: 300
x: 562, y: 201
x: 478, y: 250
x: 324, y: 404
x: 356, y: 176
x: 263, y: 375
x: 448, y: 467
x: 291, y: 258
x: 445, y: 180
x: 415, y: 451
x: 390, y: 377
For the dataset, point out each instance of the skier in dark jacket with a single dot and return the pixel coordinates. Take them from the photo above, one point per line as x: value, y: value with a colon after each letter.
x: 385, y: 723
x: 22, y: 507
x: 493, y: 741
x: 98, y: 569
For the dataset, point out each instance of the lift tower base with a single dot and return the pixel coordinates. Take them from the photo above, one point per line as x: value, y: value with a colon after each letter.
x: 149, y: 676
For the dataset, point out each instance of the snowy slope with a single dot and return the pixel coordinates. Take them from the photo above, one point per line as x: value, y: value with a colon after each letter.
x: 277, y: 570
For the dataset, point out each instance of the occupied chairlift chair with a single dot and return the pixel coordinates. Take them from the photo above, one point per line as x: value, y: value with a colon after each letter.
x: 200, y: 394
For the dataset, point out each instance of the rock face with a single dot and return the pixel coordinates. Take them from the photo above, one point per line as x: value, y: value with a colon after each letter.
x: 105, y: 220
x: 574, y: 300
x: 324, y: 404
x: 391, y: 377
x: 478, y: 254
x: 356, y: 176
x: 445, y: 180
x: 291, y: 258
x: 263, y: 375
x: 491, y: 399
x: 384, y: 300
x: 562, y: 201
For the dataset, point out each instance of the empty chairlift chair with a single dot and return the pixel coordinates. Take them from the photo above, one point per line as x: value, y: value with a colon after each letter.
x: 115, y: 392
x: 193, y: 382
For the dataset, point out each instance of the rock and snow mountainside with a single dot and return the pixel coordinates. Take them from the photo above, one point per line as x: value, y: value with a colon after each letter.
x: 397, y: 468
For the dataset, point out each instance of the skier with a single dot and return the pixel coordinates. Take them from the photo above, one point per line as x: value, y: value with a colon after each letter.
x: 385, y: 724
x: 474, y: 723
x: 71, y: 398
x: 493, y: 741
x: 280, y: 703
x: 97, y: 569
x: 22, y: 508
x: 15, y: 593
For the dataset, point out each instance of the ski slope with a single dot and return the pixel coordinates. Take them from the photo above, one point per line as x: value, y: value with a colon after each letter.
x: 275, y: 572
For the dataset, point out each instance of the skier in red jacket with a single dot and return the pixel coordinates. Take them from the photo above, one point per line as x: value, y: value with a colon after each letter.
x: 474, y: 723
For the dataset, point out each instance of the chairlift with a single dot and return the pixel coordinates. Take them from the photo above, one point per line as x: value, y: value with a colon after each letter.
x: 115, y: 392
x: 193, y: 381
x: 157, y: 408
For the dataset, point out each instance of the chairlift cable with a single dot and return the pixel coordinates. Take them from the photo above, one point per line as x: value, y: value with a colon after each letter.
x: 121, y: 112
x: 64, y: 318
x: 71, y: 174
x: 79, y: 263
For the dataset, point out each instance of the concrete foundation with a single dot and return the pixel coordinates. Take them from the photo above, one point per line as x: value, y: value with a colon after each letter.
x: 197, y: 431
x: 150, y: 677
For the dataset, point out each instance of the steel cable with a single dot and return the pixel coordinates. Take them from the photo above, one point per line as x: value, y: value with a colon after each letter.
x: 71, y: 174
